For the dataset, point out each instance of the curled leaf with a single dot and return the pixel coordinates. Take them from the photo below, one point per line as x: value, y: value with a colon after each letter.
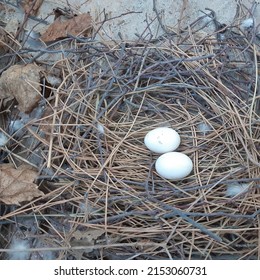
x: 22, y: 82
x: 61, y: 27
x: 31, y: 6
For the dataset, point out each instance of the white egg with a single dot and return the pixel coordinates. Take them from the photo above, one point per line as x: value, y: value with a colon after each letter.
x: 173, y: 165
x: 162, y: 140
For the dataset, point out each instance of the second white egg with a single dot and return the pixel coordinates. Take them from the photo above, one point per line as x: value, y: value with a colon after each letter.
x: 174, y: 166
x: 162, y: 140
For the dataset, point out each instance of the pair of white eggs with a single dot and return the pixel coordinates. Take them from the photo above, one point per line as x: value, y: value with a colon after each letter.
x: 170, y: 165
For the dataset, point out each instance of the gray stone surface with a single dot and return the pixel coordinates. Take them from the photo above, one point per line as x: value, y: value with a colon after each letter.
x: 132, y: 17
x: 142, y: 13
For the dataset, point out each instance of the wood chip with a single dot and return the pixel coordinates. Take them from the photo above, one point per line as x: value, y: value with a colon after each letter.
x: 3, y: 41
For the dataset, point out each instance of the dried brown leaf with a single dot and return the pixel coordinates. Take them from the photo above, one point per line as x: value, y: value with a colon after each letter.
x: 31, y: 6
x: 22, y: 82
x: 89, y: 235
x: 61, y: 27
x: 86, y: 238
x: 16, y: 185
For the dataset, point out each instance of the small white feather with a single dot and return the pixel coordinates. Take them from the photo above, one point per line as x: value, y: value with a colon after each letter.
x: 3, y: 139
x: 100, y: 128
x: 15, y: 125
x: 204, y: 128
x: 247, y: 23
x: 235, y: 189
x: 20, y: 250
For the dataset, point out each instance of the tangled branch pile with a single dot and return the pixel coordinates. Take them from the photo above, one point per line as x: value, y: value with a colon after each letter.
x: 102, y: 198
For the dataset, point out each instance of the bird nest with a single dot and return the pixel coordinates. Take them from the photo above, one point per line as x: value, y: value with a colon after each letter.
x: 102, y: 198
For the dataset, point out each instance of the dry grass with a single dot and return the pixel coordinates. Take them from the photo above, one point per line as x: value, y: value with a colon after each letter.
x: 106, y: 180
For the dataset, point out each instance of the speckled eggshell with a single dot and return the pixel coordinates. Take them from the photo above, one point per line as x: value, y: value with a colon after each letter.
x: 162, y: 140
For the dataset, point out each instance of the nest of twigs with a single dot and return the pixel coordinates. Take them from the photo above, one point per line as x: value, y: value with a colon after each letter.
x: 102, y: 196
